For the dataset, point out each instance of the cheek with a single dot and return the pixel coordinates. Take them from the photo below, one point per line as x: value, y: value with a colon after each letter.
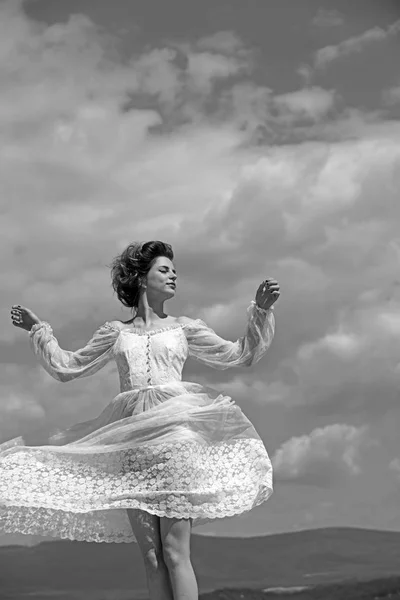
x: 155, y: 280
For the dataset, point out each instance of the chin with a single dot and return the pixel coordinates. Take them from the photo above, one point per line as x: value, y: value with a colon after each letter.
x: 169, y: 293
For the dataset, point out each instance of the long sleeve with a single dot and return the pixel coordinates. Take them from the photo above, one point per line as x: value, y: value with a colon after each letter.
x: 64, y: 365
x: 212, y: 350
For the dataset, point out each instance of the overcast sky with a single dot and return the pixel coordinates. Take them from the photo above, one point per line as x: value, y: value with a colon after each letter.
x: 259, y: 138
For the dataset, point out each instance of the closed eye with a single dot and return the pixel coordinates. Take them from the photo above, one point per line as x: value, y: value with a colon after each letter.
x: 166, y: 271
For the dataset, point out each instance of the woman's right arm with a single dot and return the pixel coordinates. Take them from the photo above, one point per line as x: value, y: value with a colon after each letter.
x: 65, y: 365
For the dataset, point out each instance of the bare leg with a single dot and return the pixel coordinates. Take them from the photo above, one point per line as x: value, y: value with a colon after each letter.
x: 175, y: 536
x: 146, y: 528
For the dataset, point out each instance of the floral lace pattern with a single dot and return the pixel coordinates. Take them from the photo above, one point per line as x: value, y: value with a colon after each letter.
x: 168, y: 447
x: 71, y: 498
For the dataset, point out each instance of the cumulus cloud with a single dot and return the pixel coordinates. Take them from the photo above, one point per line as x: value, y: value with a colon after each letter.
x: 312, y: 103
x: 310, y: 216
x: 277, y: 117
x: 326, y: 55
x: 322, y: 456
x: 206, y: 67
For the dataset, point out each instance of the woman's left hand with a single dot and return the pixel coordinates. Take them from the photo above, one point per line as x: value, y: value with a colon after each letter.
x: 268, y: 293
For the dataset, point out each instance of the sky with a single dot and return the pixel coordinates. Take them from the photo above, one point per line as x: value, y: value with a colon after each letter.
x: 259, y: 138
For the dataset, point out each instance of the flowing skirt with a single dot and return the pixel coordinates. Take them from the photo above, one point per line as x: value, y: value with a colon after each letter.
x: 176, y: 450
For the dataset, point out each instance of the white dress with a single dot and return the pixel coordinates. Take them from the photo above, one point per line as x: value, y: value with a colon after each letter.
x: 169, y: 447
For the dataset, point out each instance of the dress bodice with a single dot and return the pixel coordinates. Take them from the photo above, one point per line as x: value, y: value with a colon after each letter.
x: 146, y: 358
x: 150, y: 358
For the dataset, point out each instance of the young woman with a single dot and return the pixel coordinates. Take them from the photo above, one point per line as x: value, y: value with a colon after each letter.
x: 165, y: 454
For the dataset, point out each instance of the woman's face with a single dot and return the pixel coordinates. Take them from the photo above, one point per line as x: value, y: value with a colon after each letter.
x: 161, y: 279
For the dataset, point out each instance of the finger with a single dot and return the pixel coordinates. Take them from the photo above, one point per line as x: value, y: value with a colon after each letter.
x: 269, y: 292
x: 268, y: 284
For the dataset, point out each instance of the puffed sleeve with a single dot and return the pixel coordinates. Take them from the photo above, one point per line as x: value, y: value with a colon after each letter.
x: 65, y: 365
x: 212, y: 350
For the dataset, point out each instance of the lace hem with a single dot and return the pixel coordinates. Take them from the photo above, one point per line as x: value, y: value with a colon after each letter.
x: 84, y: 527
x: 86, y: 497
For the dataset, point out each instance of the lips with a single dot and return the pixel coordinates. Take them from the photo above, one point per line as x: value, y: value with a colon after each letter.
x: 172, y: 285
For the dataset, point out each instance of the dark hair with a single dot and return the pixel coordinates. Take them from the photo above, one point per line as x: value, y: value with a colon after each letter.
x: 129, y: 269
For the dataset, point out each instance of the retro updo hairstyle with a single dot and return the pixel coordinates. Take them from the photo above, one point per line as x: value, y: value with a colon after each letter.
x: 129, y: 269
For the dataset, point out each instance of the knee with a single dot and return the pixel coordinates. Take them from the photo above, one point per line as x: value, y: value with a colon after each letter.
x: 153, y: 561
x: 175, y: 557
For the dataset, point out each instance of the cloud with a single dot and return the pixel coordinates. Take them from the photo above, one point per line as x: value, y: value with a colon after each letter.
x: 326, y: 55
x: 312, y: 103
x: 322, y: 456
x: 328, y: 18
x: 277, y: 117
x: 310, y: 216
x: 158, y: 75
x: 176, y: 76
x: 206, y: 67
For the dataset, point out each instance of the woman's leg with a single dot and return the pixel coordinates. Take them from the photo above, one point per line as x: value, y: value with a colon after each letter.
x: 146, y: 528
x: 175, y: 538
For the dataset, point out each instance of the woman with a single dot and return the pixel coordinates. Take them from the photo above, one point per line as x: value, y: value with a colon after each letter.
x: 165, y: 454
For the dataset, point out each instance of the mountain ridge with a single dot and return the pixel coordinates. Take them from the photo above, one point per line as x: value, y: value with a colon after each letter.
x: 301, y: 558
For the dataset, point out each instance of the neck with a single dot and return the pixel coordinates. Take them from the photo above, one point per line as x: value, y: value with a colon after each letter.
x: 149, y: 310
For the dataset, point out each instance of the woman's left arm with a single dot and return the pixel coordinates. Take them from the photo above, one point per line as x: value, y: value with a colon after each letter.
x: 209, y: 348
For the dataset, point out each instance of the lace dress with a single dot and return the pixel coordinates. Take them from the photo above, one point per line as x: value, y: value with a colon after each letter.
x: 168, y: 447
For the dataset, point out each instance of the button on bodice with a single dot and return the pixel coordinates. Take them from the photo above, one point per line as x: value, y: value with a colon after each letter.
x: 150, y: 358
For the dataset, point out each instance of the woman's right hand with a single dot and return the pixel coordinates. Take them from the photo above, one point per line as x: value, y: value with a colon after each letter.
x: 23, y: 317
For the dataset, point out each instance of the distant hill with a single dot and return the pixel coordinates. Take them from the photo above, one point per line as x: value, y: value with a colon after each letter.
x: 381, y: 589
x: 304, y: 558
